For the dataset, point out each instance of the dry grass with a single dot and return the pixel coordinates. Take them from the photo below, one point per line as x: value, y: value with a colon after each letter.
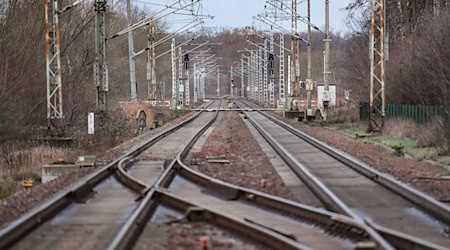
x: 400, y: 128
x: 19, y: 162
x: 429, y: 135
x: 347, y: 115
x: 433, y: 134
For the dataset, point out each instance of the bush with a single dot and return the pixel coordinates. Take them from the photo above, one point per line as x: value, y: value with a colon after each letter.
x: 433, y: 135
x: 400, y: 128
x: 347, y: 115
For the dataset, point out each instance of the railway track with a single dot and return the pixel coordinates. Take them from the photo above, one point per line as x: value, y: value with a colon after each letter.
x: 119, y: 214
x: 349, y: 187
x: 91, y: 212
x: 273, y: 221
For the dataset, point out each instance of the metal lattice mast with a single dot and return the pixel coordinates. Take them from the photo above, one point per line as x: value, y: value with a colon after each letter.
x: 131, y: 54
x: 377, y: 73
x: 218, y: 82
x: 203, y: 84
x: 250, y: 76
x: 242, y: 78
x: 289, y: 76
x: 272, y: 80
x: 162, y: 89
x: 255, y: 75
x: 100, y: 64
x: 260, y: 76
x: 53, y: 66
x: 151, y: 63
x: 195, y: 83
x: 187, y: 100
x: 295, y: 57
x: 265, y: 78
x: 282, y: 89
x: 180, y: 89
x: 174, y: 75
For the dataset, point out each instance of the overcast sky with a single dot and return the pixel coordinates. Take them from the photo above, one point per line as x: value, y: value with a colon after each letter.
x: 239, y: 13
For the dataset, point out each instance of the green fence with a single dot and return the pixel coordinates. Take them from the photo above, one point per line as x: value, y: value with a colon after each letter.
x: 419, y: 113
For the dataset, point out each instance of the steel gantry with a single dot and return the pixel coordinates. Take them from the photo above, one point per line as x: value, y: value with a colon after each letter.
x: 100, y: 64
x: 53, y: 66
x: 377, y: 63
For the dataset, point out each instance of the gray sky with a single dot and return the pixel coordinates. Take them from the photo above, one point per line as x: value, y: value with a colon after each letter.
x: 238, y: 13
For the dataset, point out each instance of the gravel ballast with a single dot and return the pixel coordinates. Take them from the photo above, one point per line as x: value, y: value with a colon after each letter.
x: 420, y: 175
x: 243, y: 163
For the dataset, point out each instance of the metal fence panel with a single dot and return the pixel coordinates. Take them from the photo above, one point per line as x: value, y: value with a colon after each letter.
x: 419, y: 113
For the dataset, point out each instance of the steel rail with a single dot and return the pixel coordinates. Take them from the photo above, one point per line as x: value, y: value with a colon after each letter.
x: 129, y: 233
x: 242, y: 227
x: 76, y: 192
x: 427, y: 203
x: 132, y: 183
x: 330, y: 200
x: 134, y: 226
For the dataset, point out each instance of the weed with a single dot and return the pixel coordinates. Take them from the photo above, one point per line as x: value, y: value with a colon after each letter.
x: 400, y: 128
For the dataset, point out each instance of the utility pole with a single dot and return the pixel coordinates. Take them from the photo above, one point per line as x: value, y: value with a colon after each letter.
x: 151, y: 62
x: 174, y: 76
x: 55, y: 114
x: 309, y: 82
x: 377, y: 71
x: 133, y: 82
x: 326, y: 62
x: 100, y: 63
